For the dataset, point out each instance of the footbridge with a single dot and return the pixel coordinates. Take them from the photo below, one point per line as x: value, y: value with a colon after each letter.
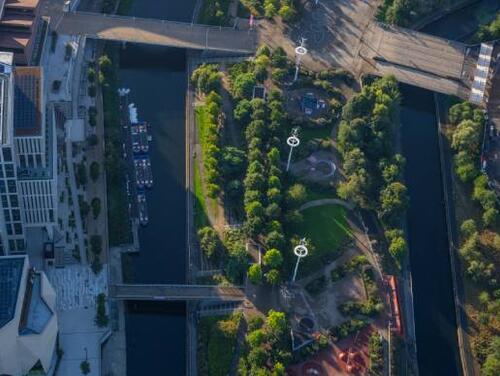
x: 418, y: 59
x: 155, y: 32
x: 175, y: 292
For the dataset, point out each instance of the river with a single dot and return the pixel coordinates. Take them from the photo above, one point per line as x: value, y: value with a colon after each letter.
x: 156, y: 332
x: 435, y: 320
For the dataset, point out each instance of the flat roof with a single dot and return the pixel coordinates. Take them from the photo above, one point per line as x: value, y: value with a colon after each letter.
x: 25, y: 4
x: 11, y: 272
x: 27, y: 101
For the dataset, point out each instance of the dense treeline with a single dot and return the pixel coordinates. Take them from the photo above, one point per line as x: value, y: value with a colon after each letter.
x: 404, y: 12
x: 480, y: 243
x: 490, y: 31
x: 372, y: 170
x: 286, y: 9
x: 214, y: 12
x: 266, y: 350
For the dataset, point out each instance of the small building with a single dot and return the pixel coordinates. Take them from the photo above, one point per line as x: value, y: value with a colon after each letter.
x: 309, y: 104
x: 28, y: 320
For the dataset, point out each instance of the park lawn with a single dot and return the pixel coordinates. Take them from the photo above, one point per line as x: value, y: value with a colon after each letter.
x: 200, y: 209
x: 306, y: 133
x: 327, y: 229
x: 218, y: 344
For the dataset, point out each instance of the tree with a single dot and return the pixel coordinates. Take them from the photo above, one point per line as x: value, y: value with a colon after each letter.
x: 465, y: 166
x: 206, y: 78
x: 242, y: 111
x: 277, y: 322
x: 85, y: 367
x: 210, y: 243
x: 255, y: 274
x: 81, y: 174
x: 491, y: 366
x: 270, y: 8
x: 287, y: 13
x: 273, y: 277
x: 256, y: 338
x: 273, y: 258
x: 393, y: 202
x: 243, y: 85
x: 468, y: 228
x: 105, y: 65
x: 278, y: 58
x: 490, y: 216
x: 96, y: 207
x: 397, y: 245
x: 467, y: 136
x: 96, y: 244
x: 275, y: 239
x: 296, y: 194
x: 257, y: 357
x: 273, y: 210
x: 93, y: 140
x: 232, y: 161
x: 101, y: 318
x: 94, y: 171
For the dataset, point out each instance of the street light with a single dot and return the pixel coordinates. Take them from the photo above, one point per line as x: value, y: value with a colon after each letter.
x: 300, y: 251
x: 292, y: 141
x: 299, y: 52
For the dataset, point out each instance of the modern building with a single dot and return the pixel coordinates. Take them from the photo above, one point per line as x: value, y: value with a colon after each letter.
x: 21, y: 29
x: 27, y: 160
x: 28, y: 320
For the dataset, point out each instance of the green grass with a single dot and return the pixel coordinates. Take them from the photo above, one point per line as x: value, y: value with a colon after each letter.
x: 200, y: 212
x: 307, y: 134
x: 217, y: 344
x: 327, y: 229
x: 200, y: 207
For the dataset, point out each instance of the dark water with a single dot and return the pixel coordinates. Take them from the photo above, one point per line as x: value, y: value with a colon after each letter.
x: 157, y: 78
x: 464, y: 22
x: 435, y: 323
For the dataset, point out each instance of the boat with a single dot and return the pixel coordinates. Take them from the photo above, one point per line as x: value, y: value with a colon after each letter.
x: 142, y: 208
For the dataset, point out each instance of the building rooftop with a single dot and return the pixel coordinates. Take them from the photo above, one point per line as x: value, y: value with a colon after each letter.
x: 11, y: 271
x: 27, y: 101
x: 22, y: 4
x: 36, y: 313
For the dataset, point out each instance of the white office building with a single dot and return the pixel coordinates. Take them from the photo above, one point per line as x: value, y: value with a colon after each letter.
x: 28, y: 163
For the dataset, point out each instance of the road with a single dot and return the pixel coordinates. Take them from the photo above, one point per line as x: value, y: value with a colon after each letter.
x: 175, y: 292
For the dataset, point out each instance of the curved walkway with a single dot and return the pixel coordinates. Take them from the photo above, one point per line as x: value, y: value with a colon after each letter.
x: 327, y: 201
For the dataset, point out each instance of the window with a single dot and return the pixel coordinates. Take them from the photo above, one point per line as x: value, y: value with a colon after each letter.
x: 9, y: 170
x: 16, y: 215
x: 7, y: 154
x: 11, y: 184
x: 2, y: 185
x: 38, y: 160
x: 12, y: 245
x: 20, y: 244
x: 9, y: 229
x: 6, y: 214
x: 18, y: 229
x: 5, y: 203
x: 14, y: 202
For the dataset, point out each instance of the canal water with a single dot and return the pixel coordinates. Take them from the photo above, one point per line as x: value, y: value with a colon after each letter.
x: 434, y: 308
x: 435, y: 320
x: 157, y: 78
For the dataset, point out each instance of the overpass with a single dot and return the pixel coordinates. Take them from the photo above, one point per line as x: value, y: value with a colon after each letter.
x: 418, y: 59
x: 175, y: 292
x: 155, y: 32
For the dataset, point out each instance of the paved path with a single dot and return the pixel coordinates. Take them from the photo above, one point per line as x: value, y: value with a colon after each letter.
x: 326, y: 201
x: 175, y: 292
x: 156, y: 32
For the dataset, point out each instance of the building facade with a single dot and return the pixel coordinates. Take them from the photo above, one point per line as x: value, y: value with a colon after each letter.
x: 28, y: 320
x: 27, y: 160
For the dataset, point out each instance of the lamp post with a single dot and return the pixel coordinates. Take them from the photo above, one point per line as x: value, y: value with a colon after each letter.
x: 292, y: 141
x: 300, y: 251
x: 299, y: 52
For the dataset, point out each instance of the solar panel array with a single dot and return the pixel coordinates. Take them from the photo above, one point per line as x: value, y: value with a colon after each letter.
x: 11, y: 270
x: 481, y: 74
x: 26, y: 103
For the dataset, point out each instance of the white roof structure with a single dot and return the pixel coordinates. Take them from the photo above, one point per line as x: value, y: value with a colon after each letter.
x: 481, y: 74
x: 28, y: 322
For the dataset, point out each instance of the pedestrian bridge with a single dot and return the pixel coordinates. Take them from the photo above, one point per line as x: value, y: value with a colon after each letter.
x: 155, y: 32
x: 175, y: 292
x: 418, y: 59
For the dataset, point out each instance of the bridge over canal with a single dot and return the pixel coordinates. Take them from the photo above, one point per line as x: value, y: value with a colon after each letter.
x: 175, y: 292
x: 155, y: 32
x: 355, y: 43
